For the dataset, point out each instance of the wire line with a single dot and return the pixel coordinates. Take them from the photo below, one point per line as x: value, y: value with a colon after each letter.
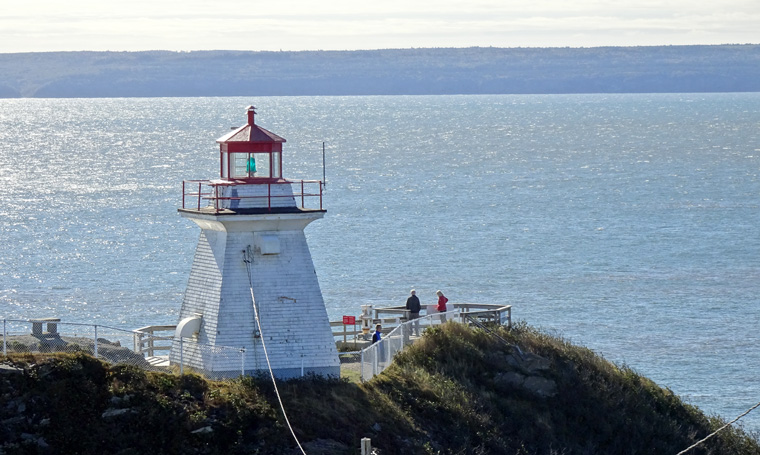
x: 248, y: 258
x: 718, y: 430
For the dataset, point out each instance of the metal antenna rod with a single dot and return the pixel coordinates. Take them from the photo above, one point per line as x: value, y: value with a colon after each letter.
x: 324, y: 176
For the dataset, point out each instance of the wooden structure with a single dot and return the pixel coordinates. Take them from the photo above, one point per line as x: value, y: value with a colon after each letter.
x: 253, y: 284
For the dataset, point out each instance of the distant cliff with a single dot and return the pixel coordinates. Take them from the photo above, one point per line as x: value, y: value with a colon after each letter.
x: 724, y: 68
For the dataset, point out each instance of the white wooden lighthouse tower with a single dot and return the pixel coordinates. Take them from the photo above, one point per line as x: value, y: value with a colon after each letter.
x: 251, y: 257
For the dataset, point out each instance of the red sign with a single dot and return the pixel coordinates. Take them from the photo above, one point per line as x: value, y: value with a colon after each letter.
x: 349, y: 320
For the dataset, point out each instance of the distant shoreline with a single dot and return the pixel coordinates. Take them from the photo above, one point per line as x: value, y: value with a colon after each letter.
x: 430, y: 71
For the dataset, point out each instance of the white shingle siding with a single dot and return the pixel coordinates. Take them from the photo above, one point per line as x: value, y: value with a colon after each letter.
x: 257, y: 196
x: 294, y: 320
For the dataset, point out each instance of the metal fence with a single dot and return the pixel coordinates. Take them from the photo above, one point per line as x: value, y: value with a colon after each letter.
x: 378, y: 356
x: 221, y: 362
x: 117, y: 346
x: 50, y: 335
x: 156, y: 348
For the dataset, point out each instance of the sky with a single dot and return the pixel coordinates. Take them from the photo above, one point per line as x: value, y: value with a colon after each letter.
x: 135, y: 25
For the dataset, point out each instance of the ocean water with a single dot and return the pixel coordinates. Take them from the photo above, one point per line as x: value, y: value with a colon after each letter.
x: 626, y: 223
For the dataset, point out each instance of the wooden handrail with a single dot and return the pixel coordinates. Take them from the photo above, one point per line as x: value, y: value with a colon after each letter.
x: 145, y: 345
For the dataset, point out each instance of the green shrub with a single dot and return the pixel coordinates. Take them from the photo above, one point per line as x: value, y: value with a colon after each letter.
x: 456, y: 391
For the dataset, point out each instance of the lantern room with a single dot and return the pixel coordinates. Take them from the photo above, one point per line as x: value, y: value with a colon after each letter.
x: 250, y: 176
x: 250, y: 153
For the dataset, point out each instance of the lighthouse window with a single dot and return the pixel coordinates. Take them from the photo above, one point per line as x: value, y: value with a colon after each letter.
x: 247, y: 165
x: 267, y: 243
x: 262, y: 165
x: 276, y: 165
x: 240, y: 164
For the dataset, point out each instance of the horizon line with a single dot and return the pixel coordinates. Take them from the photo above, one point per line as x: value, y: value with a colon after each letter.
x: 384, y: 49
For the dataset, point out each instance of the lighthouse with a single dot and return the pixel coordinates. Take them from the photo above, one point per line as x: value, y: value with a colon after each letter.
x: 252, y: 262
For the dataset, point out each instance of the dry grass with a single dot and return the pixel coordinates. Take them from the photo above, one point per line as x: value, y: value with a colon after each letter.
x: 453, y: 392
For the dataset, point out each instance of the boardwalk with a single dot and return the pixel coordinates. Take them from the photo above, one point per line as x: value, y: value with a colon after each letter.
x: 373, y: 359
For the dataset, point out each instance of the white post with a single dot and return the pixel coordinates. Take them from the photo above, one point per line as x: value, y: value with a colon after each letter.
x: 374, y: 358
x: 242, y: 361
x: 387, y: 357
x: 366, y: 446
x: 181, y: 360
x: 96, y: 341
x: 361, y: 365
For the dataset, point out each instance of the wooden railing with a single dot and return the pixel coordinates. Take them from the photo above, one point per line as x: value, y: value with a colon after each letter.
x: 483, y: 311
x: 351, y: 332
x: 501, y: 314
x: 391, y: 317
x: 145, y: 339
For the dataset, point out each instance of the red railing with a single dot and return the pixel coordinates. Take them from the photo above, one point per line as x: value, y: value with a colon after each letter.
x: 196, y: 192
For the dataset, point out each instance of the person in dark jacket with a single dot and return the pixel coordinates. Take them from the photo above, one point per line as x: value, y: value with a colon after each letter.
x: 413, y: 305
x: 381, y: 349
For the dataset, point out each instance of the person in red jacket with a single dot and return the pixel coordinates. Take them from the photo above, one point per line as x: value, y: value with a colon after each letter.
x: 441, y: 304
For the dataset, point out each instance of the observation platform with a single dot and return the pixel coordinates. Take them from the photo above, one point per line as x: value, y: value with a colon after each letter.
x: 211, y: 210
x: 252, y: 197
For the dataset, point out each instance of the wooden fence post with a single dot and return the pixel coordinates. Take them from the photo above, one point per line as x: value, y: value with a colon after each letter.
x: 366, y: 446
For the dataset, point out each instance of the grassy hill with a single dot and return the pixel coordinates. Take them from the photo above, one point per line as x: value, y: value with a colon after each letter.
x: 457, y: 391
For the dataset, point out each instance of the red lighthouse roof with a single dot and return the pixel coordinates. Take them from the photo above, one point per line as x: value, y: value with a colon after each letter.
x: 250, y: 138
x: 250, y: 177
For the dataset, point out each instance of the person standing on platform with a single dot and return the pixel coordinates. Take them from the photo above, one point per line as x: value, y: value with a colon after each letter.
x: 380, y: 350
x: 413, y: 306
x: 441, y: 304
x: 376, y: 335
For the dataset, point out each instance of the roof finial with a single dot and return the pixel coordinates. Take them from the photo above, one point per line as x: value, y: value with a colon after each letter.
x: 251, y: 114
